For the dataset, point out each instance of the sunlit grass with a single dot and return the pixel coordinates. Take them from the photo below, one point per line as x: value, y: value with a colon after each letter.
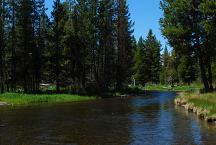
x: 204, y: 101
x: 25, y: 99
x: 186, y: 88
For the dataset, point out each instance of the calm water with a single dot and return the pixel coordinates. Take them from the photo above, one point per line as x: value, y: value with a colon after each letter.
x: 143, y: 120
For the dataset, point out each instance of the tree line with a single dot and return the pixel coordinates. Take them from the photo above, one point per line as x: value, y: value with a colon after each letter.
x: 86, y: 45
x: 189, y: 26
x: 147, y: 60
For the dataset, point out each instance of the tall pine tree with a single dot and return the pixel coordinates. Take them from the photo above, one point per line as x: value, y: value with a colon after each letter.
x: 105, y: 53
x: 153, y: 57
x: 25, y: 42
x: 186, y: 33
x: 56, y: 38
x: 124, y: 31
x: 140, y: 67
x: 2, y: 45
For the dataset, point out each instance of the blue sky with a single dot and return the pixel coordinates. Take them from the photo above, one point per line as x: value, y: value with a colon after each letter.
x: 145, y: 14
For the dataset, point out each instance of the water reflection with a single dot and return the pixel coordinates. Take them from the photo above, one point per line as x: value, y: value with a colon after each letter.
x: 150, y: 119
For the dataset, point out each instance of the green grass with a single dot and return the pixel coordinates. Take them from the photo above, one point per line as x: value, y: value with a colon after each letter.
x: 203, y: 104
x: 204, y: 101
x: 155, y: 87
x: 26, y: 99
x: 182, y: 88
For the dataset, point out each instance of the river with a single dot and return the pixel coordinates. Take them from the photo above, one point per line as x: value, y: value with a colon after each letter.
x: 151, y: 119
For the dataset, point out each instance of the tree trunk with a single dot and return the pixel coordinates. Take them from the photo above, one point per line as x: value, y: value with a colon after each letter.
x: 2, y: 17
x: 58, y: 86
x: 210, y: 74
x: 203, y: 72
x: 13, y: 66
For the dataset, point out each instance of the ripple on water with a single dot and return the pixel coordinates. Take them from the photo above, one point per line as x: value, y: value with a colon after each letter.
x: 150, y: 119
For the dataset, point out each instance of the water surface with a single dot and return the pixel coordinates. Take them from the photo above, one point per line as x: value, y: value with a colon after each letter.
x: 143, y: 120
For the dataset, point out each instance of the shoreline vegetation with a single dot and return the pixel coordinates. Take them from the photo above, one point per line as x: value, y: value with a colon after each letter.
x: 17, y: 99
x: 159, y: 87
x: 28, y: 99
x: 175, y: 88
x: 203, y: 105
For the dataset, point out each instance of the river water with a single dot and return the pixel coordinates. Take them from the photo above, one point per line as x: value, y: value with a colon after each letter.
x: 151, y: 119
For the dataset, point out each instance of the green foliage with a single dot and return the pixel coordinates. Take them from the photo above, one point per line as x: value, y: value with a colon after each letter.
x: 27, y: 99
x: 2, y: 45
x: 189, y: 27
x: 179, y: 88
x: 27, y: 46
x: 56, y: 36
x: 214, y: 72
x: 124, y: 40
x: 86, y: 45
x: 202, y: 101
x: 164, y: 75
x: 140, y: 66
x: 186, y: 70
x: 106, y: 64
x: 133, y: 90
x: 147, y: 60
x: 153, y: 47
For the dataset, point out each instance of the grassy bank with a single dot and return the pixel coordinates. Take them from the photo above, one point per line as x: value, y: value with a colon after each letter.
x: 178, y: 88
x: 158, y: 87
x: 26, y: 99
x: 204, y: 105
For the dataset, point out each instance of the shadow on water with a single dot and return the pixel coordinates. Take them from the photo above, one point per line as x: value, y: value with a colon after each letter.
x: 149, y: 119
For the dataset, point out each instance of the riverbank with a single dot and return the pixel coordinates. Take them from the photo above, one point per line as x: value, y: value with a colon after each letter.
x: 27, y: 99
x: 176, y: 88
x: 204, y: 105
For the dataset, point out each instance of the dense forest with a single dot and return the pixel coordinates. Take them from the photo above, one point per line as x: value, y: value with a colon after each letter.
x: 88, y: 46
x: 189, y: 26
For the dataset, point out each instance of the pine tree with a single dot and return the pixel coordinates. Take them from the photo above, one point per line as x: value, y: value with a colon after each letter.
x: 165, y: 64
x: 186, y: 69
x: 83, y: 29
x: 134, y: 47
x: 25, y: 28
x: 140, y: 67
x: 70, y: 43
x: 124, y: 31
x: 57, y: 33
x: 77, y: 53
x: 40, y: 38
x: 172, y: 68
x: 208, y: 9
x: 185, y: 32
x: 156, y: 65
x: 105, y: 53
x: 153, y: 57
x: 13, y: 43
x: 2, y: 46
x: 92, y: 45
